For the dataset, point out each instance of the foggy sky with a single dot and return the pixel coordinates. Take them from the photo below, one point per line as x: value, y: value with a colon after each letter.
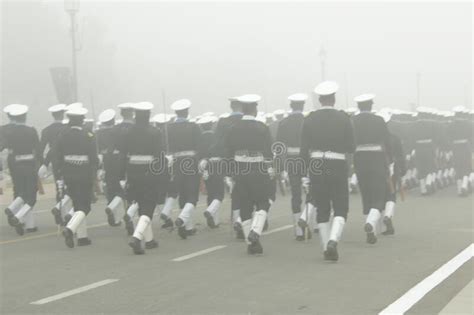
x: 208, y: 51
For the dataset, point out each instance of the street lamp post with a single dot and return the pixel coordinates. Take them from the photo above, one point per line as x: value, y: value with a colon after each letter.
x: 322, y: 57
x: 72, y: 7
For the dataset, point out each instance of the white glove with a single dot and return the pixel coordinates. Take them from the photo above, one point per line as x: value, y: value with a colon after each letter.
x: 271, y: 172
x: 305, y: 182
x: 229, y: 182
x: 43, y: 171
x: 284, y: 176
x: 391, y: 170
x: 202, y: 166
x: 205, y: 175
x: 170, y: 160
x: 100, y: 174
x: 123, y: 184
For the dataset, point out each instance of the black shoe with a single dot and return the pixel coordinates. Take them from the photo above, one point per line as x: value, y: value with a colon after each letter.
x: 302, y: 223
x: 19, y: 227
x: 182, y: 232
x: 265, y: 226
x: 168, y: 224
x: 191, y: 232
x: 389, y: 225
x: 83, y: 241
x: 111, y: 217
x: 68, y: 237
x: 210, y: 220
x: 253, y: 237
x: 32, y: 230
x: 151, y: 244
x: 239, y: 233
x: 10, y: 216
x: 128, y: 225
x: 300, y: 238
x: 371, y: 238
x: 255, y: 248
x: 57, y: 216
x: 179, y: 222
x: 136, y: 245
x: 331, y: 251
x: 67, y: 218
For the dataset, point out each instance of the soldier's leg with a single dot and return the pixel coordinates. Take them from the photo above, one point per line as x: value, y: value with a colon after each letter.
x: 81, y: 195
x: 115, y: 199
x: 215, y: 191
x: 320, y: 195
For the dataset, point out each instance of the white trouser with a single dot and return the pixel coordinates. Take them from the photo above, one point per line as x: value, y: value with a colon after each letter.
x: 29, y: 219
x: 324, y: 234
x: 132, y: 210
x: 169, y: 204
x: 423, y: 186
x: 258, y: 221
x: 81, y: 231
x: 115, y: 204
x: 336, y: 228
x: 236, y: 216
x: 186, y: 213
x: 389, y: 209
x: 148, y: 235
x: 298, y: 229
x: 16, y: 204
x: 23, y: 212
x: 63, y: 203
x: 142, y: 225
x: 76, y: 220
x: 373, y: 219
x: 213, y: 209
x: 246, y: 229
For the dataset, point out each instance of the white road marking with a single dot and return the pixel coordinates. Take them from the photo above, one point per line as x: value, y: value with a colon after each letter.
x: 281, y: 228
x: 415, y: 294
x: 74, y: 291
x: 199, y: 253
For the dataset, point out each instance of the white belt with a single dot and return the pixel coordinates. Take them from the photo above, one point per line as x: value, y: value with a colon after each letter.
x: 370, y: 147
x: 424, y: 141
x: 293, y: 150
x: 76, y: 159
x: 460, y: 141
x: 248, y: 159
x: 184, y: 153
x: 24, y: 157
x: 115, y: 152
x: 328, y: 155
x: 140, y: 159
x: 215, y: 159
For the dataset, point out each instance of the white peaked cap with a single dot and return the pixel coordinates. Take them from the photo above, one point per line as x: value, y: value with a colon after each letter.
x: 107, y: 115
x: 298, y: 97
x: 364, y: 98
x: 225, y: 115
x: 181, y: 104
x: 57, y: 108
x: 459, y: 109
x: 233, y: 98
x: 351, y: 110
x: 74, y: 105
x: 16, y: 109
x: 326, y: 88
x: 77, y: 111
x: 249, y: 98
x: 279, y: 112
x: 125, y: 106
x: 162, y: 118
x: 208, y: 114
x: 143, y: 106
x: 206, y: 120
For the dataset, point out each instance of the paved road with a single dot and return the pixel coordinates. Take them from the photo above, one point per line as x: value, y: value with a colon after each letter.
x: 290, y: 278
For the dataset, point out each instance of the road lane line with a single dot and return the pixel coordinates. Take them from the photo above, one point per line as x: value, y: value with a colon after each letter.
x: 281, y: 228
x: 74, y: 291
x: 415, y: 294
x: 199, y: 253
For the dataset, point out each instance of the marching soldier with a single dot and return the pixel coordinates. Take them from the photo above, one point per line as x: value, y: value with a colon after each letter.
x: 289, y: 135
x: 211, y: 168
x: 248, y: 144
x: 371, y: 160
x: 326, y: 139
x: 107, y: 138
x: 49, y: 135
x: 183, y: 137
x: 77, y: 167
x: 23, y: 161
x: 223, y: 127
x: 142, y: 151
x: 460, y: 133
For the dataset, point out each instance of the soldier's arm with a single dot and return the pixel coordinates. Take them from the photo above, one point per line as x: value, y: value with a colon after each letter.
x: 349, y: 136
x: 304, y: 150
x: 42, y: 146
x: 37, y: 147
x: 93, y: 156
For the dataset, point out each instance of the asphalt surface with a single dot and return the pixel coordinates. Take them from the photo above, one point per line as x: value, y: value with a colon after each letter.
x: 289, y: 278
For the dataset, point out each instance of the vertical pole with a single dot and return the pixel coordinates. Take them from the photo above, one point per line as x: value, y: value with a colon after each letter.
x: 72, y: 15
